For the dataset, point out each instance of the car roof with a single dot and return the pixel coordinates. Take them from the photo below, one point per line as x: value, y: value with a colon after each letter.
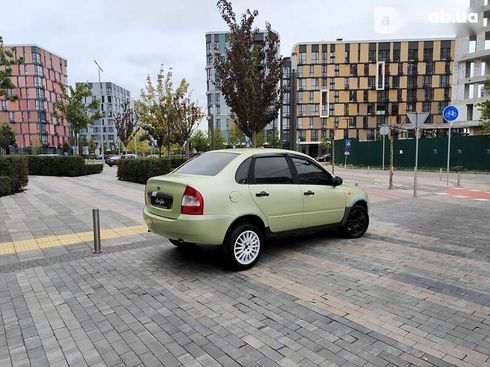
x: 252, y: 151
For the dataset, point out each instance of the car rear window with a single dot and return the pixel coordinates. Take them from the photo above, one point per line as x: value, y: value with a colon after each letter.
x: 207, y: 164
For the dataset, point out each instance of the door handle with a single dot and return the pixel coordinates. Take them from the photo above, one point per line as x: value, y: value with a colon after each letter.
x: 309, y: 192
x: 262, y: 193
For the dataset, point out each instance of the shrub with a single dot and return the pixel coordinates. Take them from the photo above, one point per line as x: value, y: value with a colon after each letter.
x: 176, y: 162
x: 61, y: 166
x: 141, y: 169
x: 5, y: 185
x: 90, y: 169
x: 15, y: 168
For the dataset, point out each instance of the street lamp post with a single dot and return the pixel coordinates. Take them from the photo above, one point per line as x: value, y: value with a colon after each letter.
x: 99, y: 69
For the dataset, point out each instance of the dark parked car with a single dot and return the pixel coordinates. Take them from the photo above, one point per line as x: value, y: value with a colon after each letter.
x: 115, y: 158
x: 324, y: 158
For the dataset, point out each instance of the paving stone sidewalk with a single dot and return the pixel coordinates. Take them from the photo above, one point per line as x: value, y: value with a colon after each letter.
x: 415, y: 291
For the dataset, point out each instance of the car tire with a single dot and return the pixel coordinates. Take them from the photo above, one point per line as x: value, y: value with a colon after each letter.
x: 243, y: 246
x: 357, y: 222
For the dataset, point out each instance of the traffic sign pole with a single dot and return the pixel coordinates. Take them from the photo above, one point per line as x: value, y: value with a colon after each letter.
x: 416, y: 160
x: 383, y: 153
x: 450, y: 113
x: 448, y: 152
x: 416, y: 118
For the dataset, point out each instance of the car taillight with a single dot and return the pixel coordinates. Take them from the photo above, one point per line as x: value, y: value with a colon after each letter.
x: 192, y: 202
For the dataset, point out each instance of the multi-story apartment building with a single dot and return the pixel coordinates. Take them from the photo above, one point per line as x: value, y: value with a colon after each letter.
x: 111, y: 97
x: 37, y: 83
x: 472, y: 68
x: 366, y: 84
x: 219, y: 113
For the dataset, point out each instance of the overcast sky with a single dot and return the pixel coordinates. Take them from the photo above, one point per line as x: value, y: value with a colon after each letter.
x: 131, y: 38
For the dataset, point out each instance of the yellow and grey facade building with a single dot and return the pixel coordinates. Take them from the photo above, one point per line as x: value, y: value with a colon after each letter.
x: 357, y: 86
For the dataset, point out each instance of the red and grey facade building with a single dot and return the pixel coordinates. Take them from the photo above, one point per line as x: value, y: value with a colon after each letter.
x: 38, y: 88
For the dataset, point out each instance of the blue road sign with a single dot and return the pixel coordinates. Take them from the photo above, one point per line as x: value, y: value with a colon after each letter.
x: 348, y: 145
x: 450, y: 113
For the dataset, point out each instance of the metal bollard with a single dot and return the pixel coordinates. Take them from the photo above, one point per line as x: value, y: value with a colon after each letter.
x: 458, y: 184
x: 368, y: 170
x: 96, y: 220
x: 440, y: 174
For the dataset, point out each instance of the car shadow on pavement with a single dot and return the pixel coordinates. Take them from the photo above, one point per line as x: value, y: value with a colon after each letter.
x: 208, y: 258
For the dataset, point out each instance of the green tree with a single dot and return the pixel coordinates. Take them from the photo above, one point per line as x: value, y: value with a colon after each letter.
x: 237, y: 136
x: 157, y: 112
x: 73, y: 108
x: 219, y: 140
x: 7, y: 137
x: 484, y: 108
x: 188, y: 114
x: 125, y: 123
x: 8, y: 59
x: 249, y: 72
x: 325, y: 144
x: 199, y: 141
x: 36, y: 146
x: 91, y: 146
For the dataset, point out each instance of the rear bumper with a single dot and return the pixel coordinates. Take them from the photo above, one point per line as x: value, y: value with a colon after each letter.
x: 201, y: 229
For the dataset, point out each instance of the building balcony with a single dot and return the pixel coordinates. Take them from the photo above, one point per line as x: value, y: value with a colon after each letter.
x: 483, y: 54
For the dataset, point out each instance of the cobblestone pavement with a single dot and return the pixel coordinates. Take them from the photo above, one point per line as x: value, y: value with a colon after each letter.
x: 415, y: 291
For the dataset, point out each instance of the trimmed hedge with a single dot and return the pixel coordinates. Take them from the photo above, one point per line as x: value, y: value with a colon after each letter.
x: 15, y: 169
x: 5, y: 183
x: 141, y: 169
x: 62, y: 166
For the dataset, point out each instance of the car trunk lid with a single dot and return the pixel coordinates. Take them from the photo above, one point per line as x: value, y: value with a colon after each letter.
x: 164, y: 193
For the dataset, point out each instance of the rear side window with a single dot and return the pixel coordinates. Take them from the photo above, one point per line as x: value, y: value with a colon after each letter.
x: 272, y: 170
x: 241, y: 175
x: 207, y: 164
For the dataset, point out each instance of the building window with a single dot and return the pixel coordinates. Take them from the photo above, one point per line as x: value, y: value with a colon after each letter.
x: 310, y: 123
x: 302, y: 57
x: 311, y: 96
x: 324, y: 70
x: 472, y: 43
x: 444, y: 80
x: 352, y: 96
x: 11, y: 117
x: 36, y: 57
x: 314, y: 57
x: 429, y: 93
x: 302, y: 84
x: 346, y: 109
x: 372, y: 56
x: 4, y: 105
x: 312, y: 70
x: 336, y: 96
x: 427, y: 83
x: 285, y: 110
x: 324, y: 56
x: 353, y: 70
x: 366, y: 69
x: 412, y: 69
x: 426, y: 105
x: 346, y: 83
x: 413, y: 54
x: 217, y: 98
x: 332, y: 83
x: 396, y: 55
x: 428, y: 54
x: 429, y: 69
x: 331, y: 109
x: 314, y: 83
x: 383, y: 55
x: 314, y: 135
x: 300, y: 71
x: 371, y: 82
x: 395, y: 82
x: 336, y: 70
x: 39, y: 105
x: 446, y: 52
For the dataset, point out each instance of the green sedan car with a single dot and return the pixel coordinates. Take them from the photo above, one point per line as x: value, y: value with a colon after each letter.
x: 240, y: 197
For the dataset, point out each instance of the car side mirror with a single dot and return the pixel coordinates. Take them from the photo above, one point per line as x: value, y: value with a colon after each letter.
x: 337, y: 181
